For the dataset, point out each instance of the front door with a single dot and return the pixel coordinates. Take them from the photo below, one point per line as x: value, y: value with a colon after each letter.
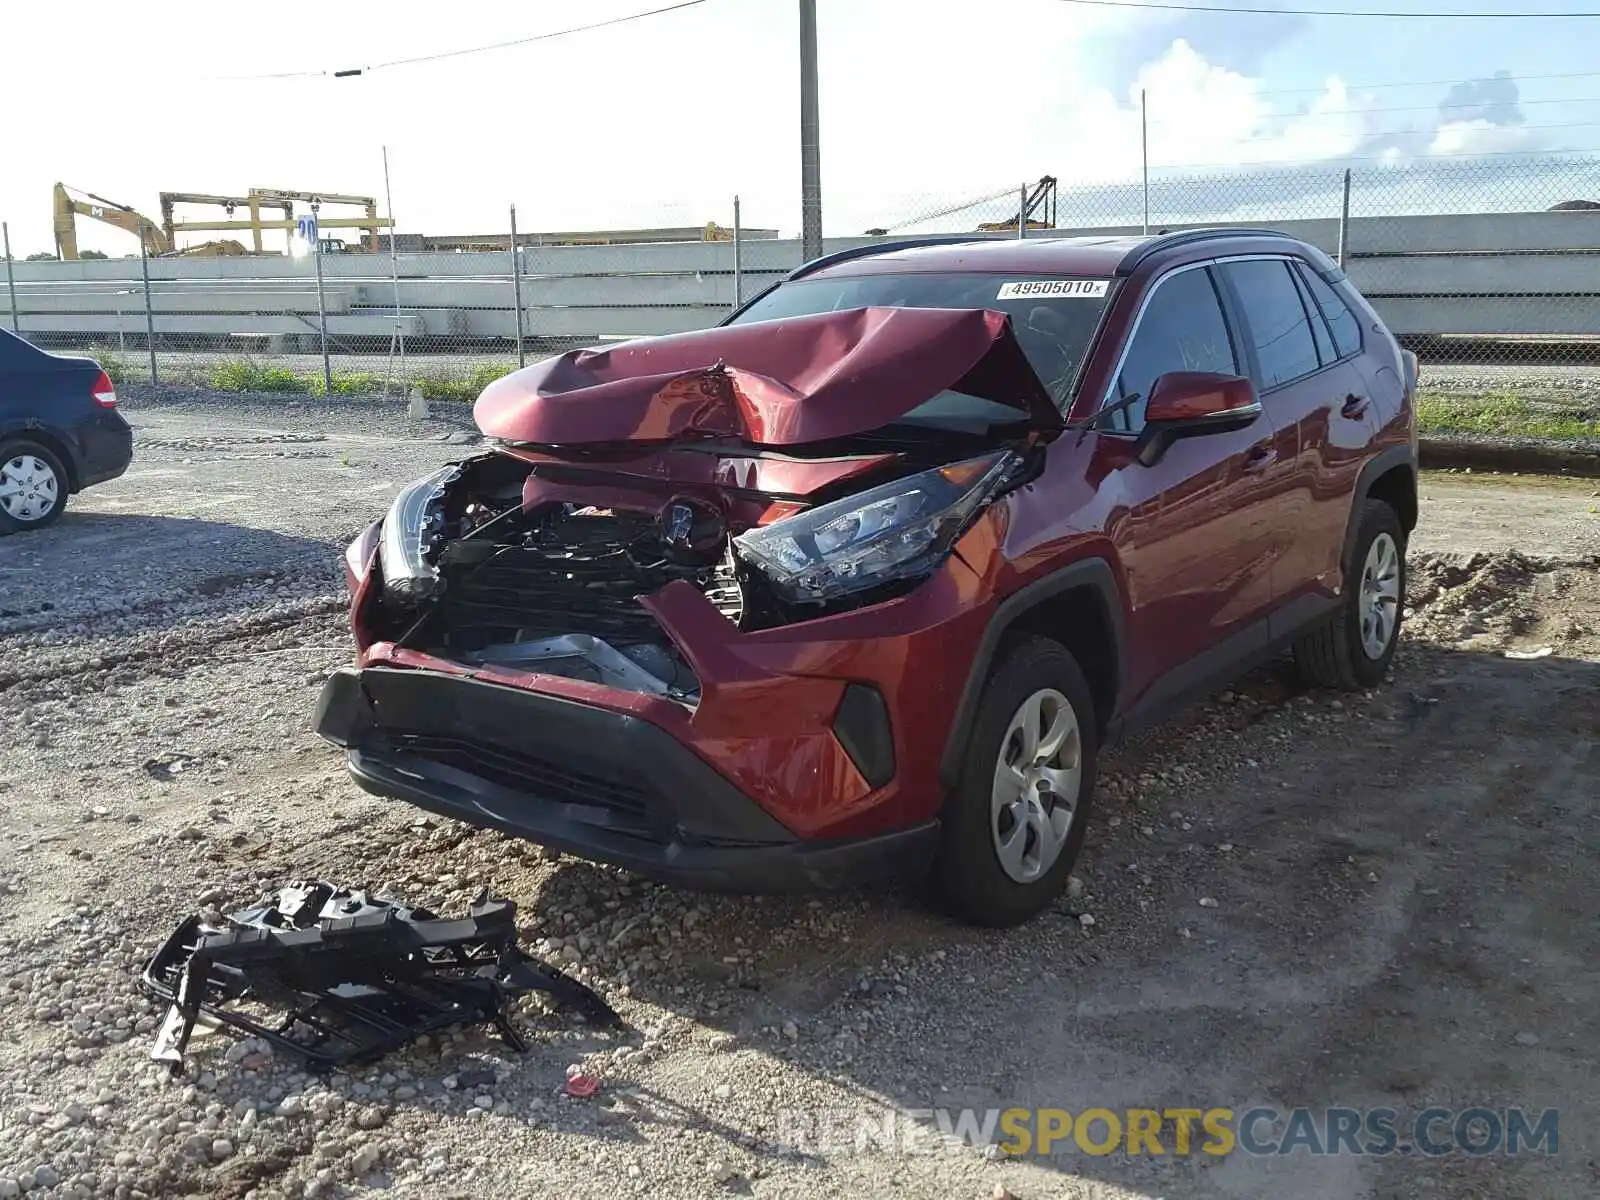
x: 1195, y: 532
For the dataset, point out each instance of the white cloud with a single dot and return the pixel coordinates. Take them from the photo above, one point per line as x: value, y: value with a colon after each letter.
x: 1481, y: 137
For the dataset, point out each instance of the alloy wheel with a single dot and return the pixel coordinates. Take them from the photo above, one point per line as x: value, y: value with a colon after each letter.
x: 1379, y: 598
x: 1036, y: 783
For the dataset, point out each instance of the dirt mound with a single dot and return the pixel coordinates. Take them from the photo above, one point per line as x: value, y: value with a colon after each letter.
x: 1483, y: 601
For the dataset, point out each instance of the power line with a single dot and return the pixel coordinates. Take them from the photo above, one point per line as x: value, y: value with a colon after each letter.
x: 443, y: 54
x: 542, y: 37
x: 1325, y: 12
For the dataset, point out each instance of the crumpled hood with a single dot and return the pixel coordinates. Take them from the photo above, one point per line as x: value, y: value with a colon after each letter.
x: 771, y: 383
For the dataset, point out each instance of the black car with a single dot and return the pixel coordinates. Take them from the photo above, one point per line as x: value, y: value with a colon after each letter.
x: 60, y: 432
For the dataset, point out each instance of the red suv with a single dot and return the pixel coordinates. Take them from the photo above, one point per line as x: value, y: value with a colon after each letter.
x: 863, y: 579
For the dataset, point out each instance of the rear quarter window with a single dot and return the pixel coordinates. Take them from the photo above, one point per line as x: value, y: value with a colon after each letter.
x: 1346, y: 329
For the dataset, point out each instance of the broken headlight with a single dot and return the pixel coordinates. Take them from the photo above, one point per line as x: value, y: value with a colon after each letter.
x: 414, y: 523
x: 895, y: 531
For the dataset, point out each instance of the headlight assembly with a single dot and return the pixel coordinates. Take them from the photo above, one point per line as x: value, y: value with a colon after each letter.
x: 895, y: 531
x: 409, y: 530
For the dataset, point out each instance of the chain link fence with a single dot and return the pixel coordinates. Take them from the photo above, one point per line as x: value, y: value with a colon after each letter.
x: 1487, y: 265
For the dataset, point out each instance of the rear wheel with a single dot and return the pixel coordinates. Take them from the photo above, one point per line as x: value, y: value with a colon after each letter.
x: 1015, y: 821
x: 1354, y: 647
x: 33, y: 486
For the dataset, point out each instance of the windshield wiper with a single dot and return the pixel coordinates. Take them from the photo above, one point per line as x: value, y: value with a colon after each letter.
x: 1094, y: 419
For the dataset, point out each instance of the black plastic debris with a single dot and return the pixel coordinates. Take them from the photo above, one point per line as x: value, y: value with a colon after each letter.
x: 331, y: 975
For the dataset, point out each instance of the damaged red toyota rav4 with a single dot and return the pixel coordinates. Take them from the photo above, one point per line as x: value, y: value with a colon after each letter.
x: 862, y: 580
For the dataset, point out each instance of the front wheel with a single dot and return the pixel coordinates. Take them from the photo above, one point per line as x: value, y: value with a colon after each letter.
x: 1015, y: 821
x: 1353, y: 649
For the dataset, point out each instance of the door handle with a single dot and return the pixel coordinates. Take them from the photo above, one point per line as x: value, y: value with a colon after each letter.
x: 1259, y: 459
x: 1353, y: 406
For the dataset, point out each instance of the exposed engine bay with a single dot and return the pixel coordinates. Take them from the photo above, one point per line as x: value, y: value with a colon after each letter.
x: 539, y: 565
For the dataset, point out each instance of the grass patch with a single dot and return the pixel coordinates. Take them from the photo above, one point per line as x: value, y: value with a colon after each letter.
x: 242, y: 375
x: 247, y: 375
x: 462, y: 388
x: 116, y: 366
x: 1499, y: 414
x: 352, y: 383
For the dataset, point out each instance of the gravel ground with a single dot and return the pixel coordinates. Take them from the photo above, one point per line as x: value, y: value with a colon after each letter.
x: 1287, y: 898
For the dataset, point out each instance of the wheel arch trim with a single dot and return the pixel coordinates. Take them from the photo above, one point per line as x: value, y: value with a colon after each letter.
x: 1094, y: 575
x: 1379, y: 466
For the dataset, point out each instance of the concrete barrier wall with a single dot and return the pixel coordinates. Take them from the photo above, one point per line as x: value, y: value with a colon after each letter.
x: 1472, y: 274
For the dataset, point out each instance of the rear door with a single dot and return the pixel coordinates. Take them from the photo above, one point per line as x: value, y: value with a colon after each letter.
x: 1308, y: 384
x: 1192, y: 531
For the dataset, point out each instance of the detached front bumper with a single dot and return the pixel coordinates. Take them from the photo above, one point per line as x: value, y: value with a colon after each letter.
x: 596, y: 782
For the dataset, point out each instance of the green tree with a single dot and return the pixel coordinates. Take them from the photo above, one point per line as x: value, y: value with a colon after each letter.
x: 92, y: 254
x: 42, y: 256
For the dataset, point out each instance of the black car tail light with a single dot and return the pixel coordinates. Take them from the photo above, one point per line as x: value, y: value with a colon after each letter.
x: 104, y: 391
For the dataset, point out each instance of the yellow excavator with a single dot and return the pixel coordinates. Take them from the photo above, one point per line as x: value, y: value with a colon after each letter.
x: 68, y: 208
x: 157, y: 240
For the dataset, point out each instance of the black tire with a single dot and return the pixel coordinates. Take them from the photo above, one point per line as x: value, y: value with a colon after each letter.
x: 17, y: 448
x: 968, y: 878
x: 1333, y: 655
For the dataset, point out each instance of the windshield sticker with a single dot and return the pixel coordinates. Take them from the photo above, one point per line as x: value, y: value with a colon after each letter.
x: 1088, y: 288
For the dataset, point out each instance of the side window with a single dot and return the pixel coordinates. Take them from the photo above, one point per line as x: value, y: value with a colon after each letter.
x: 1346, y: 329
x: 1319, y: 327
x: 1285, y: 349
x: 1181, y: 329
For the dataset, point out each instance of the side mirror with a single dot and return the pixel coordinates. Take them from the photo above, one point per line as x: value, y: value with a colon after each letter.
x: 1192, y: 403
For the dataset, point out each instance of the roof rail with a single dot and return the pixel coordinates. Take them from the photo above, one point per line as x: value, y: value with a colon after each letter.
x: 1166, y: 241
x: 839, y: 256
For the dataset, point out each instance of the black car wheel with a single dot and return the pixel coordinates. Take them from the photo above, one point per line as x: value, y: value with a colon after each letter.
x: 33, y: 486
x: 1014, y: 823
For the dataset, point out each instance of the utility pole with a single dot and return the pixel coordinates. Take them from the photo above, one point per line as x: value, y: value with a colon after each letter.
x: 810, y: 137
x: 149, y: 318
x: 394, y: 269
x: 1144, y: 158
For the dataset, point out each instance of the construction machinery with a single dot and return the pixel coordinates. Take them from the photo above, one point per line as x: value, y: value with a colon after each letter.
x: 68, y: 208
x: 228, y: 204
x: 369, y: 222
x: 162, y: 239
x: 1042, y: 200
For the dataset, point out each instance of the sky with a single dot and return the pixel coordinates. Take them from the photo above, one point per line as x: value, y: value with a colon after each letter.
x: 662, y: 121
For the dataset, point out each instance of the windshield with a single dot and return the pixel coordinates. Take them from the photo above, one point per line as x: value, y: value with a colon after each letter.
x: 1055, y: 319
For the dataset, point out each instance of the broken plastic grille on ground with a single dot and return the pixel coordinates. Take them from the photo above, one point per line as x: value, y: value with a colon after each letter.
x: 336, y: 977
